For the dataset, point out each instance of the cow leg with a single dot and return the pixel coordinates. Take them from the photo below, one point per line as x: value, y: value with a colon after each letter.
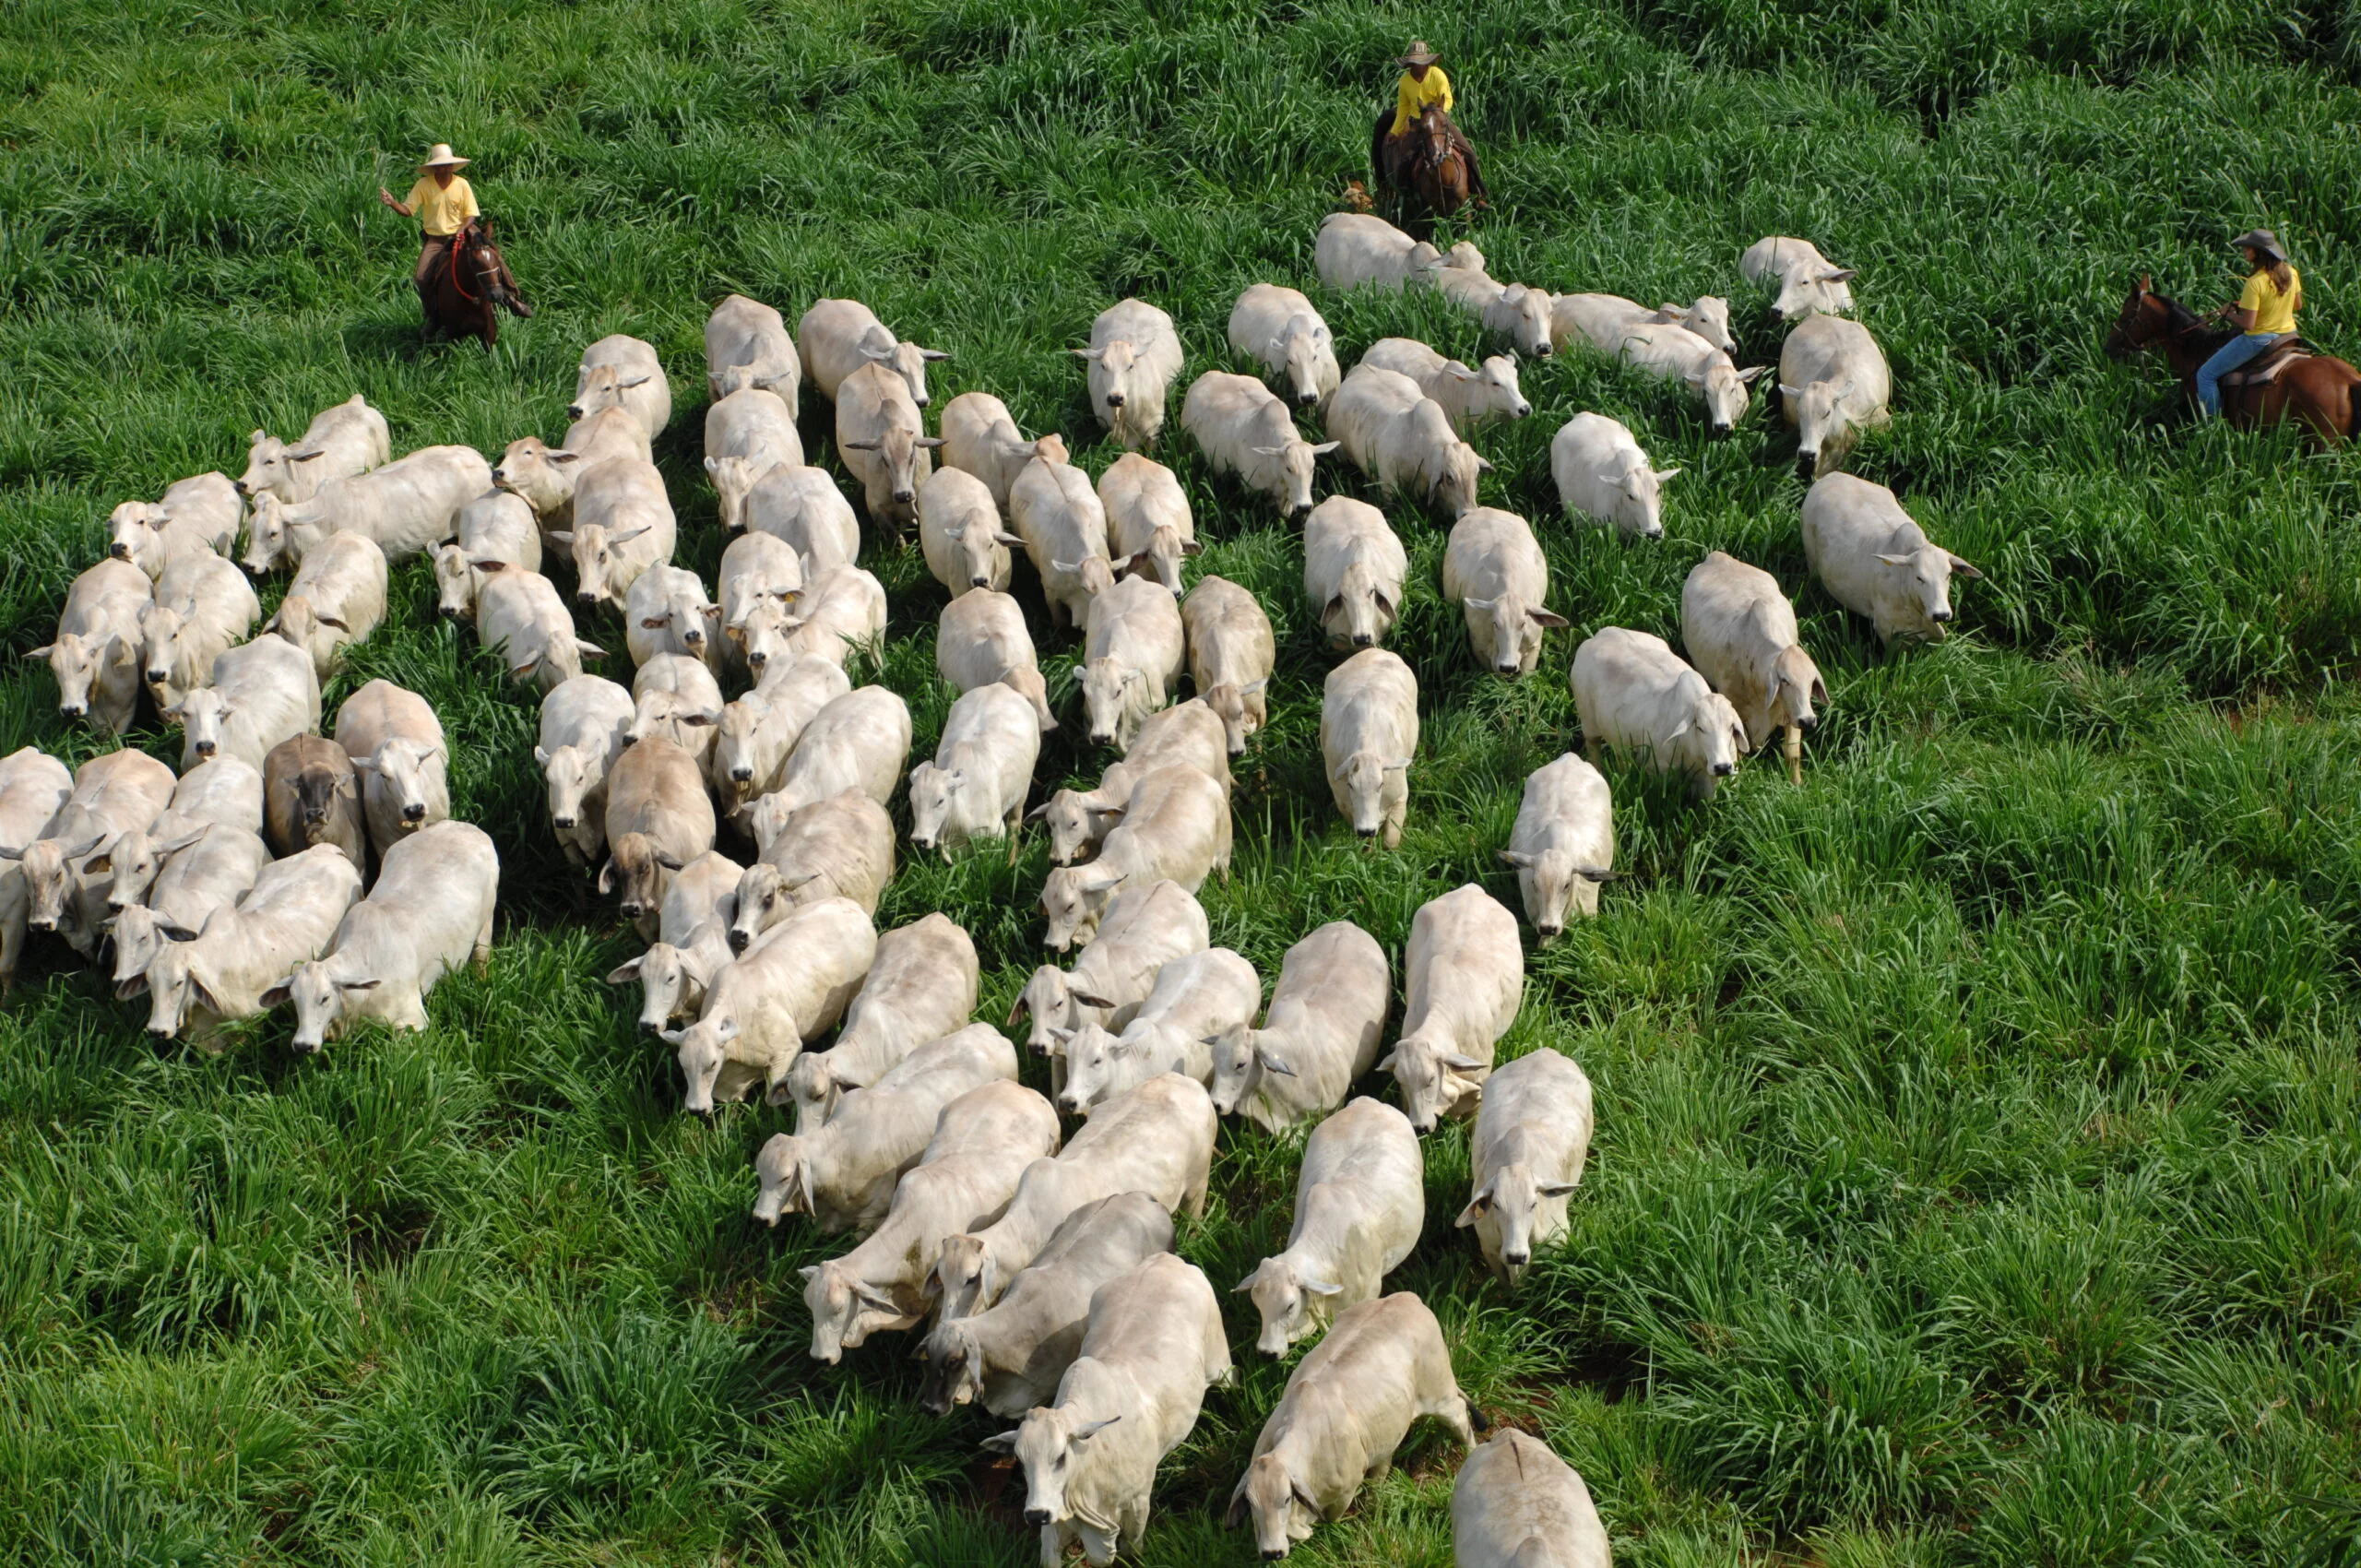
x: 481, y: 957
x: 1794, y: 752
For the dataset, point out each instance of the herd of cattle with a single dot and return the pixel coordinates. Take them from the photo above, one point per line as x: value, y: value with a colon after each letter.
x: 1045, y: 1262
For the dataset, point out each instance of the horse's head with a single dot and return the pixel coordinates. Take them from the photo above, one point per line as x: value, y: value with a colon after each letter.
x: 483, y: 260
x: 1434, y: 137
x: 2145, y: 318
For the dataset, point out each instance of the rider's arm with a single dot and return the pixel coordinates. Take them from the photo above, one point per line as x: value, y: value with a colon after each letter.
x: 387, y: 198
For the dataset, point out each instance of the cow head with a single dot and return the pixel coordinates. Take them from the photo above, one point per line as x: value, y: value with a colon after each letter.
x: 1293, y: 1302
x: 1504, y: 1210
x: 1433, y: 1079
x: 1283, y: 1507
x: 1050, y: 1444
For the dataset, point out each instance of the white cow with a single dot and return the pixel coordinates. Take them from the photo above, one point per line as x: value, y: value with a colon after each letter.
x: 1197, y: 999
x: 1149, y: 526
x: 975, y: 788
x: 623, y: 372
x: 204, y: 606
x: 1402, y: 437
x: 165, y: 889
x: 1135, y: 652
x: 1189, y: 735
x: 659, y: 819
x: 963, y: 1179
x: 223, y: 974
x: 1354, y: 570
x: 95, y: 655
x: 922, y: 987
x: 520, y: 617
x: 746, y: 345
x: 1052, y: 507
x: 337, y: 599
x: 1359, y: 1203
x: 840, y: 612
x: 1532, y: 1135
x: 1563, y: 843
x: 1355, y: 248
x: 1348, y: 1407
x: 747, y: 434
x: 677, y: 697
x: 882, y: 439
x: 805, y: 509
x: 396, y: 746
x: 224, y: 793
x: 1320, y: 1033
x: 262, y: 693
x: 1494, y: 568
x: 1631, y: 690
x: 1605, y: 320
x: 1808, y: 280
x: 1232, y: 653
x: 757, y: 733
x: 112, y: 793
x: 981, y: 439
x: 343, y: 440
x: 1133, y: 354
x: 840, y: 848
x: 624, y: 523
x: 197, y: 513
x: 1740, y: 632
x: 496, y: 526
x: 837, y: 339
x: 1132, y: 1395
x: 960, y: 534
x: 408, y: 506
x: 756, y: 567
x: 429, y: 911
x: 1175, y: 827
x: 1876, y: 561
x: 586, y: 724
x: 1462, y: 980
x: 1521, y: 315
x: 692, y: 944
x: 667, y: 611
x: 1469, y: 396
x: 1277, y: 328
x: 1144, y: 929
x: 1369, y: 734
x: 1833, y: 384
x: 861, y: 741
x: 1675, y: 353
x: 33, y: 787
x: 760, y: 1010
x: 979, y: 639
x: 1516, y: 1505
x: 545, y: 477
x: 1602, y: 476
x: 1243, y: 429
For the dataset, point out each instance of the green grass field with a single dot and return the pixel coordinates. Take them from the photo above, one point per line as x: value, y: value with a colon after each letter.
x: 1976, y: 1170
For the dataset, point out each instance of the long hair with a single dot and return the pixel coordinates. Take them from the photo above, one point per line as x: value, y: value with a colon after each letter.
x: 2283, y: 277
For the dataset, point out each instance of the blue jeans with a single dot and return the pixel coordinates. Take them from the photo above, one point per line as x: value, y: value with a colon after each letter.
x: 2227, y: 358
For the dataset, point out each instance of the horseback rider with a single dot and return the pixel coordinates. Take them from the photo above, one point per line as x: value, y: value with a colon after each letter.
x: 1422, y: 87
x: 444, y: 204
x: 2264, y: 314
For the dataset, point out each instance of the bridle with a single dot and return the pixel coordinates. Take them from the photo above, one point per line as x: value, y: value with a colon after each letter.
x: 470, y: 239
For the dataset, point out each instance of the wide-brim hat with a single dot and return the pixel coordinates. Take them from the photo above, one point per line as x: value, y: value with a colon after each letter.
x: 440, y: 156
x: 2262, y: 240
x: 1419, y: 55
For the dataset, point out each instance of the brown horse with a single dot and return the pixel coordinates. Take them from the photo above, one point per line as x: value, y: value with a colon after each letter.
x: 1430, y: 161
x: 2316, y: 391
x: 466, y: 294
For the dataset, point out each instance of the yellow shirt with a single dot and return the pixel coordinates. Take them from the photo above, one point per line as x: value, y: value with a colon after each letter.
x: 443, y: 211
x: 2273, y: 311
x: 1416, y: 95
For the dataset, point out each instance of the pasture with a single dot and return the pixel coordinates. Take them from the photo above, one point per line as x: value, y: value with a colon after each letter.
x: 1978, y: 1170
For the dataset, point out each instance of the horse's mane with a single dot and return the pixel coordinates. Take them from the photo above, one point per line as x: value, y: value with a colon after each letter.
x: 2179, y: 314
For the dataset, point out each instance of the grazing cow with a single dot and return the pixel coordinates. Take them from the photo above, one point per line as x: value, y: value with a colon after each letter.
x: 760, y: 1010
x: 337, y: 598
x: 1149, y: 528
x: 311, y: 795
x: 622, y: 525
x: 1631, y: 690
x: 1563, y: 843
x: 1463, y: 978
x: 1397, y: 434
x: 198, y: 514
x: 1231, y: 655
x: 165, y: 889
x: 1368, y: 733
x: 1348, y: 1407
x: 843, y: 1173
x: 408, y: 506
x: 1469, y: 396
x: 496, y: 526
x: 1740, y: 632
x: 1243, y: 429
x: 204, y: 606
x: 1277, y: 328
x: 1603, y: 476
x: 861, y: 741
x: 1833, y: 384
x: 586, y: 724
x: 1605, y: 320
x: 1135, y: 650
x: 622, y: 373
x: 396, y: 746
x: 1133, y: 354
x: 545, y: 477
x: 1010, y: 1355
x: 1355, y: 248
x: 1521, y: 315
x: 1144, y: 929
x: 980, y: 639
x: 960, y: 535
x: 1516, y: 1505
x: 757, y: 732
x: 1053, y: 508
x: 1175, y: 827
x: 981, y: 439
x: 1495, y: 569
x: 262, y: 693
x: 805, y: 509
x: 520, y: 617
x: 840, y: 848
x: 667, y: 611
x: 746, y: 345
x: 1354, y: 569
x: 922, y: 987
x: 96, y: 655
x: 1876, y: 561
x: 343, y: 440
x: 1532, y: 1135
x: 838, y: 339
x: 1808, y: 280
x: 659, y: 819
x: 756, y: 567
x: 975, y: 788
x: 112, y: 793
x: 34, y: 787
x: 968, y: 1172
x: 1320, y: 1033
x: 1359, y: 1203
x: 429, y: 911
x: 747, y: 434
x: 224, y: 973
x: 1197, y: 999
x: 1675, y: 353
x: 1189, y: 735
x: 691, y: 943
x: 1132, y: 1395
x: 841, y: 610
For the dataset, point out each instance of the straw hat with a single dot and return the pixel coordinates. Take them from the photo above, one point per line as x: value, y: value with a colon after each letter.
x: 2262, y: 240
x: 1419, y: 55
x: 440, y: 156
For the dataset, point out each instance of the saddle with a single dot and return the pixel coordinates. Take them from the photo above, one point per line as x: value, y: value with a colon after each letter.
x: 2264, y: 368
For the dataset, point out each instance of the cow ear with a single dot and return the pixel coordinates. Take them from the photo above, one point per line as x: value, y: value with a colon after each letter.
x: 1965, y: 570
x: 1553, y: 1189
x: 623, y: 974
x: 1475, y: 1209
x: 561, y: 538
x: 1323, y: 1287
x: 1749, y: 375
x: 607, y: 877
x: 1092, y: 1429
x: 1236, y: 1515
x: 332, y: 621
x: 1895, y: 560
x: 1323, y: 448
x: 1000, y: 1442
x: 277, y: 993
x: 1788, y: 391
x: 361, y: 984
x: 1461, y: 1064
x: 1516, y: 857
x: 40, y: 653
x: 1273, y: 1064
x: 1549, y: 618
x: 1387, y: 1065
